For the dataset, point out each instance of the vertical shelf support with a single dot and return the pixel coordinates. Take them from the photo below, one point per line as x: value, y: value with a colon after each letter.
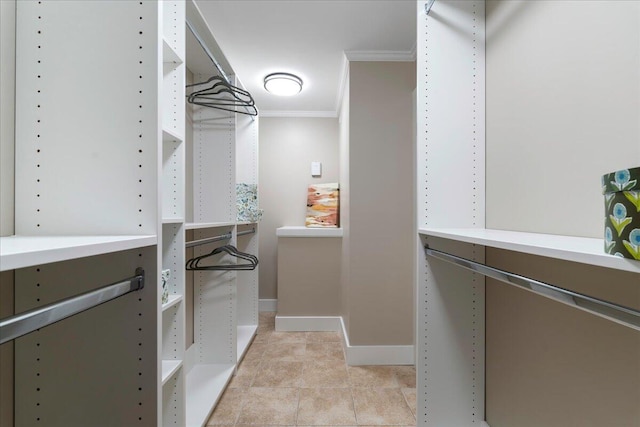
x: 450, y: 139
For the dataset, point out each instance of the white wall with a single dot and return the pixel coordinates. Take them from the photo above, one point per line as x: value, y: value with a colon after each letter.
x: 287, y: 148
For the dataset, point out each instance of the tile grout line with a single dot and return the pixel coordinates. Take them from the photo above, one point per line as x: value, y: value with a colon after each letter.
x: 353, y: 399
x: 304, y: 359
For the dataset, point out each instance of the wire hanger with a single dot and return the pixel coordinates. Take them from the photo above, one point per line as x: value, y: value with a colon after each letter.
x: 222, y: 95
x: 194, y: 263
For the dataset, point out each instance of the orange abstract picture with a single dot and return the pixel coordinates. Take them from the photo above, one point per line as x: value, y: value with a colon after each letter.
x: 323, y: 205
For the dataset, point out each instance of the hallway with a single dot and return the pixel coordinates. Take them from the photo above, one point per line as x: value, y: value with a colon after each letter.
x: 301, y: 379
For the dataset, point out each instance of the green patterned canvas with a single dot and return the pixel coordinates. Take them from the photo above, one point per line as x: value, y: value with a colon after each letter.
x: 621, y: 191
x: 247, y: 203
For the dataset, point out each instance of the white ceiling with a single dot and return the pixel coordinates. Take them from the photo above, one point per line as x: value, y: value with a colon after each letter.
x: 307, y: 38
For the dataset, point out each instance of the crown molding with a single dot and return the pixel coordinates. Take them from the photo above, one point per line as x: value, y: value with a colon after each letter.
x: 310, y: 114
x: 414, y: 50
x: 348, y: 56
x: 381, y: 55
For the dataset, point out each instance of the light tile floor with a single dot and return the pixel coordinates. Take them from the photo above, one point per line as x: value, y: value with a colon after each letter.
x: 301, y: 379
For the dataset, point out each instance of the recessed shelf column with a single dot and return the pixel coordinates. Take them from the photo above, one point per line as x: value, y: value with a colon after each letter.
x: 172, y: 146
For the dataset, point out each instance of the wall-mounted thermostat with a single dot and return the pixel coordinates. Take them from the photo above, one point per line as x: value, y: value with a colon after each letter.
x: 316, y: 169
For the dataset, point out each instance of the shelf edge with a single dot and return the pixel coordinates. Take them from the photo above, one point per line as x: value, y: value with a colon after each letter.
x: 561, y: 253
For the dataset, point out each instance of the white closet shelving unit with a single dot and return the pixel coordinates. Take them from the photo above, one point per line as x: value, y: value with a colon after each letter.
x: 87, y: 209
x: 221, y: 149
x: 451, y: 215
x: 112, y: 171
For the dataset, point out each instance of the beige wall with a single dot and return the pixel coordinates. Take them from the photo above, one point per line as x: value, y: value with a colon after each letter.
x: 583, y: 370
x: 287, y: 148
x: 309, y: 276
x: 559, y: 71
x: 563, y: 91
x: 380, y: 233
x: 7, y: 88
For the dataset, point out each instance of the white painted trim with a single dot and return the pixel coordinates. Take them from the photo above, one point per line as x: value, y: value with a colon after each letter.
x: 484, y: 424
x: 369, y: 55
x: 344, y: 75
x: 308, y: 323
x: 376, y: 354
x: 292, y: 113
x: 355, y: 355
x: 301, y: 231
x: 381, y: 55
x: 268, y: 305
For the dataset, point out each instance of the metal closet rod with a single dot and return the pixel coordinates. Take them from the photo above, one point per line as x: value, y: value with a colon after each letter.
x: 428, y: 6
x: 21, y: 324
x: 208, y: 240
x: 625, y: 316
x: 244, y: 233
x: 216, y: 64
x: 217, y: 238
x: 208, y: 52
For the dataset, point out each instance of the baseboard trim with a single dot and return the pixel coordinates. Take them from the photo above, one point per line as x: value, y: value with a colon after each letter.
x: 308, y: 323
x: 376, y: 354
x: 355, y: 354
x: 268, y: 305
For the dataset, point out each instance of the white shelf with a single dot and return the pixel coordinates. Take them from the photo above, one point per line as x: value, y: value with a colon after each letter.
x: 245, y: 336
x: 173, y: 300
x: 169, y: 55
x: 172, y: 220
x: 169, y: 135
x: 28, y: 251
x: 246, y: 223
x: 300, y: 231
x: 577, y: 249
x: 205, y: 384
x: 169, y: 368
x: 201, y: 225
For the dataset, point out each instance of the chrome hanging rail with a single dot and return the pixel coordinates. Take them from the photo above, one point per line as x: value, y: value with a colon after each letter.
x: 208, y: 240
x: 210, y: 55
x: 428, y: 6
x: 244, y: 233
x: 21, y: 324
x: 620, y: 314
x: 217, y: 238
x: 207, y: 51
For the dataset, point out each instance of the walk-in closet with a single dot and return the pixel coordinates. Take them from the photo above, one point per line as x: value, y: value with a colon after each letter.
x: 320, y: 213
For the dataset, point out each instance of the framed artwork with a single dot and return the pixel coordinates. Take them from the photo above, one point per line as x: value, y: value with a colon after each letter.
x: 323, y: 205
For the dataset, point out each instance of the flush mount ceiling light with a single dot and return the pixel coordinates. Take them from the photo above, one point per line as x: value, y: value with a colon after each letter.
x: 283, y: 84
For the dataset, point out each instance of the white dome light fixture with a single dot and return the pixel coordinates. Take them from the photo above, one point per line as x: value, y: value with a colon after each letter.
x: 283, y: 84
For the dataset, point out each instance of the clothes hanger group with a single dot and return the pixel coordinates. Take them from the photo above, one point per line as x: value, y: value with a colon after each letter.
x: 194, y: 263
x: 218, y: 93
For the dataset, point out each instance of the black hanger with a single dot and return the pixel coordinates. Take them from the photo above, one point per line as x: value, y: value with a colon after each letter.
x: 194, y: 263
x: 222, y: 95
x: 218, y: 85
